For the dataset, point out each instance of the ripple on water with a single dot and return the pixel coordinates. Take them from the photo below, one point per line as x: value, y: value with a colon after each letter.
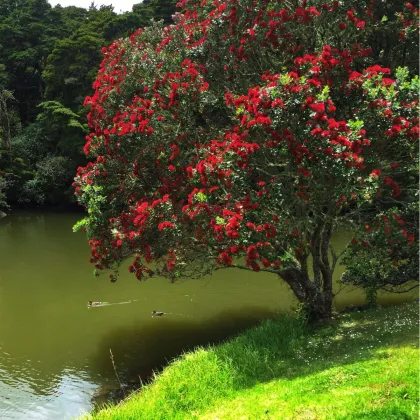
x: 68, y: 393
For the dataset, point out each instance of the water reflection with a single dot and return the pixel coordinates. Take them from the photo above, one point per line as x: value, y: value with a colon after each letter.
x: 140, y: 349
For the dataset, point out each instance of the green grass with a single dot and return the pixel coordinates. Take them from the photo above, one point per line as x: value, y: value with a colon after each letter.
x: 361, y: 366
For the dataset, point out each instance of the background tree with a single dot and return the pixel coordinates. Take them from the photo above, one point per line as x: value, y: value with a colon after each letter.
x: 27, y: 32
x: 71, y: 67
x: 46, y: 154
x: 50, y: 55
x: 156, y: 9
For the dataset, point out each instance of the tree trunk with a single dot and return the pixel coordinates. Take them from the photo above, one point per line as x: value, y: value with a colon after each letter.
x: 316, y: 299
x: 5, y: 122
x: 320, y: 308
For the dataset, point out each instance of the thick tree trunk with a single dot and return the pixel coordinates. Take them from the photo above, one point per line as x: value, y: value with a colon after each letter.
x: 317, y: 294
x: 316, y: 298
x: 320, y: 308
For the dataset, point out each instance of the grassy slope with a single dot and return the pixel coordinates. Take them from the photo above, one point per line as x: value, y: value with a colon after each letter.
x: 362, y: 366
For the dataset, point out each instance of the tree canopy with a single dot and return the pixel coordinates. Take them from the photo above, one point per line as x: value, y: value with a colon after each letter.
x: 248, y: 132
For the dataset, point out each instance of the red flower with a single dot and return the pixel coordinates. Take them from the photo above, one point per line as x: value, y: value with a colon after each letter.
x: 204, y: 87
x: 165, y: 225
x: 396, y: 129
x: 233, y: 234
x: 225, y: 259
x: 170, y: 264
x: 317, y: 107
x: 378, y: 69
x: 252, y: 252
x: 408, y: 5
x: 175, y: 152
x: 305, y: 172
x: 265, y: 262
x: 386, y: 81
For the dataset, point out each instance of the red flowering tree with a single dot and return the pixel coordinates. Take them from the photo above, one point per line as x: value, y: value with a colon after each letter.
x: 244, y: 135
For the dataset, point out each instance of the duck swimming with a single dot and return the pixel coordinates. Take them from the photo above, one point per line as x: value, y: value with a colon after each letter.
x: 90, y: 303
x: 155, y: 313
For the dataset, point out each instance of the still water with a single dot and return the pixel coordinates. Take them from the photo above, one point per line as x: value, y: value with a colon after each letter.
x: 55, y: 351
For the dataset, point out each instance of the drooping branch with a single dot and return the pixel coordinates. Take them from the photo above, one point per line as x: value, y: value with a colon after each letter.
x: 400, y: 291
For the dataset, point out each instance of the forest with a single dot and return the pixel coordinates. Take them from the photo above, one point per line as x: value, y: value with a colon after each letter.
x: 49, y: 58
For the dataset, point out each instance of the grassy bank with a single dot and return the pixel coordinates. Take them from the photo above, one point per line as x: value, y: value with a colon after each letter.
x: 361, y: 366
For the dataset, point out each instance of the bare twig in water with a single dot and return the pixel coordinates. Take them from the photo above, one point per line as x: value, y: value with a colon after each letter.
x: 115, y: 370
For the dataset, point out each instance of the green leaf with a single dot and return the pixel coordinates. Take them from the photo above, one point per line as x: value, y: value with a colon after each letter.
x: 80, y: 224
x: 201, y: 197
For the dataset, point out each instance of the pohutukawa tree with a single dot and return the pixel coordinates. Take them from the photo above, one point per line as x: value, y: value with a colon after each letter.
x: 245, y: 134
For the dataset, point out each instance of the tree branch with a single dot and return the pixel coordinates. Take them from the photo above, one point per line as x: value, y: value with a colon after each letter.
x: 400, y: 292
x: 243, y: 267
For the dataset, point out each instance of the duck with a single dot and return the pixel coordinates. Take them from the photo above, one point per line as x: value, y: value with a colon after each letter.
x: 90, y: 303
x: 155, y: 313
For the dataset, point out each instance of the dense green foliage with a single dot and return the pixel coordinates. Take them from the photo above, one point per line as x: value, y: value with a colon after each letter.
x: 49, y: 57
x: 362, y: 366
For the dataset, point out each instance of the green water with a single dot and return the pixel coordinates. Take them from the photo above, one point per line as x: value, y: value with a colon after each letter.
x: 55, y: 351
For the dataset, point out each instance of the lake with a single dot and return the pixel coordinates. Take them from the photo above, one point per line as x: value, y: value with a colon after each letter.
x: 55, y: 351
